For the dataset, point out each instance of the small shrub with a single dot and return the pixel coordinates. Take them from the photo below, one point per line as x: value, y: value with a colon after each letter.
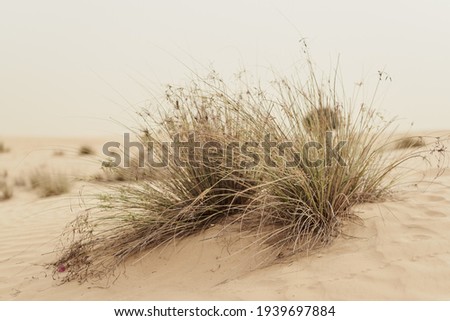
x: 183, y: 200
x: 410, y: 142
x: 86, y: 150
x: 49, y: 183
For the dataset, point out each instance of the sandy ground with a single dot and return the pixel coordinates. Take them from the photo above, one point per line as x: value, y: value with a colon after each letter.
x: 400, y: 252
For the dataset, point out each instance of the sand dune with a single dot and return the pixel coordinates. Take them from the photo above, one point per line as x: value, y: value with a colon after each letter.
x: 401, y: 251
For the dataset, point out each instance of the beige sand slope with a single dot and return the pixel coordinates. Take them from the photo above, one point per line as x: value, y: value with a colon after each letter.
x: 401, y: 252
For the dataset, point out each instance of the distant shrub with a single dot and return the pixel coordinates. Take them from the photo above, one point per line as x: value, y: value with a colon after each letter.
x: 322, y: 119
x: 410, y: 142
x: 49, y: 184
x: 86, y: 150
x: 287, y: 208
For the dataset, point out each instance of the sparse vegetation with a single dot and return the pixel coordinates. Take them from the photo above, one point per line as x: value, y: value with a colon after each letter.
x: 48, y: 183
x: 86, y: 150
x: 410, y: 142
x: 286, y: 208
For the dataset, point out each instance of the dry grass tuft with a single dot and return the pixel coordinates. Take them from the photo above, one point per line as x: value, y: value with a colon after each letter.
x: 48, y: 183
x: 182, y: 200
x: 288, y: 208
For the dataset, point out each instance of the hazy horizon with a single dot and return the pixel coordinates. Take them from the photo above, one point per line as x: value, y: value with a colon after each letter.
x: 75, y: 68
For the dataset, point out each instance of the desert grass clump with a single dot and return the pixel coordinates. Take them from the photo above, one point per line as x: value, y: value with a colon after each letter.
x: 339, y: 147
x: 86, y: 150
x: 291, y: 201
x: 410, y: 142
x: 186, y: 196
x: 48, y: 183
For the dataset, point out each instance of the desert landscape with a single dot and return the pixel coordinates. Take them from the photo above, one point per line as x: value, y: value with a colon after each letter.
x: 399, y: 251
x: 225, y: 151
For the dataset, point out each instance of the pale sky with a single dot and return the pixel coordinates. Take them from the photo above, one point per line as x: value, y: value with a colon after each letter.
x: 72, y: 67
